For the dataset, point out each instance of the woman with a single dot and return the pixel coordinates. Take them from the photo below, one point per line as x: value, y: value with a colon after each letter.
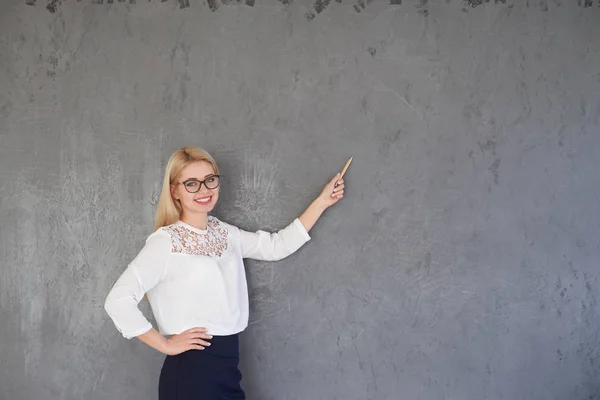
x: 192, y: 272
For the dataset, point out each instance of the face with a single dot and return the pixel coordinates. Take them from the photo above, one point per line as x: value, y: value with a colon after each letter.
x: 204, y: 200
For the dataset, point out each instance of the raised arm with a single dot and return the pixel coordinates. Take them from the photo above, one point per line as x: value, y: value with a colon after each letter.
x: 263, y: 245
x: 330, y: 195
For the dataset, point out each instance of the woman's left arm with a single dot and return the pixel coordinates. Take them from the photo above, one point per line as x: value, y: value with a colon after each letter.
x: 263, y: 245
x: 330, y: 195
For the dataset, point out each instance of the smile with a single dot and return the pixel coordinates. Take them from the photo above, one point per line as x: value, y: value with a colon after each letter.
x: 203, y: 200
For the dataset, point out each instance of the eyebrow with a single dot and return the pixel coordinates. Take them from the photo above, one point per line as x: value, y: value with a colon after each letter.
x: 193, y: 177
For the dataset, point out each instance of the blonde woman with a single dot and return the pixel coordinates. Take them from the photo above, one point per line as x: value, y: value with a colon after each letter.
x: 191, y: 271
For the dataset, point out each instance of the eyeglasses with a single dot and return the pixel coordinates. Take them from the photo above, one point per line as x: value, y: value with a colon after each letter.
x: 194, y: 185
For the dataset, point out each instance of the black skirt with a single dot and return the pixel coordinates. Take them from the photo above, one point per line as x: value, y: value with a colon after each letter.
x: 209, y: 374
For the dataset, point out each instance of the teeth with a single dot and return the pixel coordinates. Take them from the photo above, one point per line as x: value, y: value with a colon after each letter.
x: 206, y: 200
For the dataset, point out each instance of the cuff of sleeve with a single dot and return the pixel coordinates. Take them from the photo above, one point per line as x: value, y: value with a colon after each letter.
x: 131, y: 335
x: 301, y: 230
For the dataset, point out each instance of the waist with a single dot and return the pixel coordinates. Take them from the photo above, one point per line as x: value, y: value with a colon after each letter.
x: 220, y: 346
x: 219, y: 317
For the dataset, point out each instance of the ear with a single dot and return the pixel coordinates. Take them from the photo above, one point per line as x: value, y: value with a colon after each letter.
x: 174, y: 192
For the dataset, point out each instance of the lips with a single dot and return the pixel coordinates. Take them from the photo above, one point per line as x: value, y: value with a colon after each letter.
x: 203, y: 200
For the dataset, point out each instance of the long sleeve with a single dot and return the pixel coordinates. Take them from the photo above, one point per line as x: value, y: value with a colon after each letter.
x: 261, y: 245
x: 143, y: 273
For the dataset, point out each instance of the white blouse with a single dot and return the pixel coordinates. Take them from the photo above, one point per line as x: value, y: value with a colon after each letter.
x: 195, y: 278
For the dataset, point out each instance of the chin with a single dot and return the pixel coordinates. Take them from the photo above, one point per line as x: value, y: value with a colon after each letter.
x: 208, y: 209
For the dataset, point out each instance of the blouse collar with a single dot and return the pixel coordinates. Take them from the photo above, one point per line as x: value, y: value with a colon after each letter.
x: 193, y: 228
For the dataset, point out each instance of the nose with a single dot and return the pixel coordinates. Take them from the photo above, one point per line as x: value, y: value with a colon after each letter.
x: 204, y: 190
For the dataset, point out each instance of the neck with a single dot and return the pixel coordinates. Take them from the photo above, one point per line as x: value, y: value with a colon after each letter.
x: 197, y: 220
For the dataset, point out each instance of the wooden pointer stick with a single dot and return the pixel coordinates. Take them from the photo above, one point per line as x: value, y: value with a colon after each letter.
x: 345, y: 168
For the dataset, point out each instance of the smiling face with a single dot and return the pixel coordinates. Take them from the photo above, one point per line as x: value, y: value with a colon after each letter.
x: 205, y: 199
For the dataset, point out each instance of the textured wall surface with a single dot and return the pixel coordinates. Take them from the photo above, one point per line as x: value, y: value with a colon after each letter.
x: 463, y: 262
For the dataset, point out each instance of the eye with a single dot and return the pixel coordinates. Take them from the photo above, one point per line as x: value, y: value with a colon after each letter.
x: 191, y: 183
x: 211, y: 179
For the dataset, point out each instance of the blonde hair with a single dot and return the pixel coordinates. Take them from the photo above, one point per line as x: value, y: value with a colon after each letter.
x: 169, y: 210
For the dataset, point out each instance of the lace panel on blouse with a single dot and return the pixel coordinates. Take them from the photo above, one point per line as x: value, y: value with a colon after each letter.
x: 212, y: 243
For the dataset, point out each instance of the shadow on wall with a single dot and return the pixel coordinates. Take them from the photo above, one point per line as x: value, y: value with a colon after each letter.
x: 321, y: 5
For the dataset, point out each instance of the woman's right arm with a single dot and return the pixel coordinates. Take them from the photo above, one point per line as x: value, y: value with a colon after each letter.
x: 146, y: 270
x: 176, y: 344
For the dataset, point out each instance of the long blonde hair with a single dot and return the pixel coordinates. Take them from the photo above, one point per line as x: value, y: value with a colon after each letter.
x: 169, y: 210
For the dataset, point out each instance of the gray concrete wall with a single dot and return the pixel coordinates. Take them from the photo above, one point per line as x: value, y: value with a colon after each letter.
x: 462, y: 264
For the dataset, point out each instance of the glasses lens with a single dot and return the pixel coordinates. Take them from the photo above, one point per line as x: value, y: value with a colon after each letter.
x: 212, y: 182
x: 191, y: 186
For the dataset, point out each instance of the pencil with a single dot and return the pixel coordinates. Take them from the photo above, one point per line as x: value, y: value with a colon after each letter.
x: 346, y: 167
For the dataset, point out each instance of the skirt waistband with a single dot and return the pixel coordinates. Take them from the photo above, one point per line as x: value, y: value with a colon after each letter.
x: 220, y: 346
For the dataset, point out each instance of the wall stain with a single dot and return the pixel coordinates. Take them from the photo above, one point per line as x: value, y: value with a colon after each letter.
x: 52, y: 5
x: 585, y: 3
x: 476, y: 3
x: 212, y: 5
x: 422, y: 7
x: 321, y: 5
x: 494, y: 169
x: 389, y: 143
x: 425, y: 264
x: 360, y: 6
x: 488, y: 145
x: 543, y: 3
x: 53, y: 61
